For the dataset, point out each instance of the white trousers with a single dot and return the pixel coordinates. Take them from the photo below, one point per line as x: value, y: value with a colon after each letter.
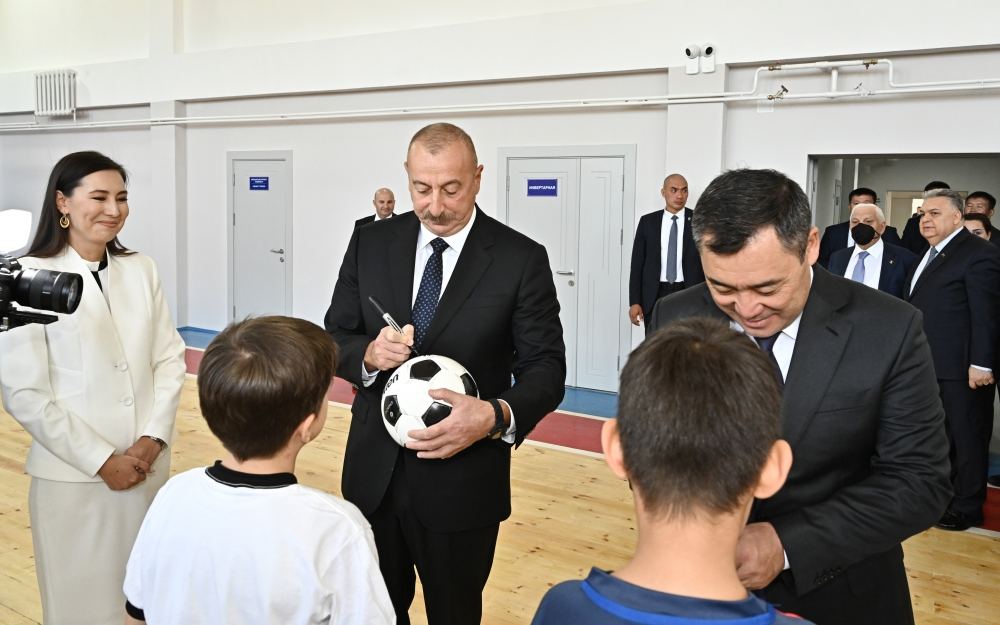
x: 82, y: 534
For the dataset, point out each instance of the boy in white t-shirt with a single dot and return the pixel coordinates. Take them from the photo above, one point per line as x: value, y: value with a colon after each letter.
x: 242, y: 542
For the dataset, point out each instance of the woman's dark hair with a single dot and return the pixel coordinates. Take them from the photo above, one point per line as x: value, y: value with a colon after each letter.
x: 50, y: 239
x: 983, y: 220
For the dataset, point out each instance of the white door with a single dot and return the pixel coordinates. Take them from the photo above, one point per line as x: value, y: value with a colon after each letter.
x: 599, y: 308
x: 573, y: 206
x: 261, y: 237
x: 549, y: 215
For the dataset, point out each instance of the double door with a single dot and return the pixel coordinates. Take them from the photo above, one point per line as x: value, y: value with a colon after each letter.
x: 573, y: 206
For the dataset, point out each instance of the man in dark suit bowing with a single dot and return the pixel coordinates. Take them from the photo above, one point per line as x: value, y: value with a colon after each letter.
x: 838, y: 236
x: 664, y: 259
x: 860, y: 407
x: 384, y: 202
x: 956, y: 285
x: 482, y: 294
x: 870, y: 260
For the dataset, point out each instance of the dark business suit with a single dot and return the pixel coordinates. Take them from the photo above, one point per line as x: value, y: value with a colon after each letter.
x: 498, y: 316
x: 644, y: 276
x: 369, y: 219
x: 896, y: 264
x: 870, y: 468
x: 959, y: 296
x: 912, y: 239
x: 835, y: 239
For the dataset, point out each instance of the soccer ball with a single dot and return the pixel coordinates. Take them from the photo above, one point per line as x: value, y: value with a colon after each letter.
x: 406, y: 404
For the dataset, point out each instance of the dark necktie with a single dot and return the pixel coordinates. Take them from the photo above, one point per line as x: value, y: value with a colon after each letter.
x: 429, y: 292
x: 931, y: 253
x: 672, y: 251
x: 766, y: 343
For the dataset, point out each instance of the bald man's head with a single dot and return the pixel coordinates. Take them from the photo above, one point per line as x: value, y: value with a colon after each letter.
x: 675, y: 192
x: 384, y: 202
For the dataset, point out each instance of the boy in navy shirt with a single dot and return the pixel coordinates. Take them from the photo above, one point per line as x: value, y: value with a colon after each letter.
x: 697, y: 437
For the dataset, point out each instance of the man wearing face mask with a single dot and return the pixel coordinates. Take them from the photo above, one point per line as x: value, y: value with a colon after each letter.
x: 838, y: 236
x: 870, y: 260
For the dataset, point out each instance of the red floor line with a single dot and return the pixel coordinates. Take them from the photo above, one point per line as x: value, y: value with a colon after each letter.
x: 566, y: 430
x: 557, y: 428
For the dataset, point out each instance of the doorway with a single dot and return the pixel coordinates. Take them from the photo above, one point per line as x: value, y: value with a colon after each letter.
x: 260, y: 233
x: 898, y: 179
x: 575, y: 202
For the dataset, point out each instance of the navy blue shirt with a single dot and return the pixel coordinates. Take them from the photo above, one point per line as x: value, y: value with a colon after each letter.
x: 605, y: 600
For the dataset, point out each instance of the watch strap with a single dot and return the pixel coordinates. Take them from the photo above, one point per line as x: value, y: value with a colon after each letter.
x: 498, y: 425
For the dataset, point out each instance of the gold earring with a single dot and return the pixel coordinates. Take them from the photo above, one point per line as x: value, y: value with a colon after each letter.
x: 64, y: 221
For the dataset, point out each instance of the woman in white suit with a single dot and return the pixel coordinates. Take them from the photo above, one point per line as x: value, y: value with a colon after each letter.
x: 98, y: 392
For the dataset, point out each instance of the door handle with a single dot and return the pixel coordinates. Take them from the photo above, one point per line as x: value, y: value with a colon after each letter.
x: 565, y: 273
x: 278, y: 251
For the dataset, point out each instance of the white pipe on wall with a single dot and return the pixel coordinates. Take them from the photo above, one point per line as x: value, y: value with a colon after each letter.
x: 973, y: 81
x: 898, y: 89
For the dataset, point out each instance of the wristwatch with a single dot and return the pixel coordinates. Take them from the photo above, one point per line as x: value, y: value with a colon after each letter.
x: 163, y: 443
x: 498, y: 426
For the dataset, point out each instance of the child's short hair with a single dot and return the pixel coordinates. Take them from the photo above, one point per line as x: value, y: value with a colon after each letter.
x: 259, y: 378
x: 698, y: 412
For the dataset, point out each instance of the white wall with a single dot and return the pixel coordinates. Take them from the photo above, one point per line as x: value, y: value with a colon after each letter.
x: 911, y: 174
x: 274, y: 52
x: 49, y: 34
x: 222, y: 24
x: 337, y: 167
x: 938, y: 124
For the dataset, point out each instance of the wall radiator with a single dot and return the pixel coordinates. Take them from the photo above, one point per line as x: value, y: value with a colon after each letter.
x: 55, y: 93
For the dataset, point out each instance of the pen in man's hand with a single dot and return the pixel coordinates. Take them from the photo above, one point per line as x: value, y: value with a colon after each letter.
x: 389, y: 320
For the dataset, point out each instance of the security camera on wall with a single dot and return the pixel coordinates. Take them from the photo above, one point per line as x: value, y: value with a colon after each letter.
x: 707, y: 58
x: 693, y: 53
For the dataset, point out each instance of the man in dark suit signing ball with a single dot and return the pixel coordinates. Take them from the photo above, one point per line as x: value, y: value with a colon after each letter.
x: 472, y: 289
x: 860, y: 407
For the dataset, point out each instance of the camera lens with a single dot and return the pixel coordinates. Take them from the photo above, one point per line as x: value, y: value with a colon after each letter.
x: 57, y: 291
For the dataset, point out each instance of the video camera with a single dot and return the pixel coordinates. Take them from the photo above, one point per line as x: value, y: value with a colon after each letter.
x: 55, y: 291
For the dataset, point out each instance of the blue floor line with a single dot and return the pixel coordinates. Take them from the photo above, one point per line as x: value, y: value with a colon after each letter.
x: 197, y: 337
x: 589, y: 402
x: 584, y: 401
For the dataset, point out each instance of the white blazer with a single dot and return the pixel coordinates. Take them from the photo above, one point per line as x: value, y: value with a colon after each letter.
x: 92, y: 383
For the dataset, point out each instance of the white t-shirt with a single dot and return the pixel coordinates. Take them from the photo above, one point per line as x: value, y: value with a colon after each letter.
x: 220, y: 546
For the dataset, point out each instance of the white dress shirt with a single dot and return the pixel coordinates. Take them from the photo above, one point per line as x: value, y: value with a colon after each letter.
x: 873, y: 263
x: 449, y: 258
x: 665, y: 240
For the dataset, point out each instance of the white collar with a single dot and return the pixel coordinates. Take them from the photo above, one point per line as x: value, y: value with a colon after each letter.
x: 875, y: 251
x: 945, y: 241
x: 455, y: 241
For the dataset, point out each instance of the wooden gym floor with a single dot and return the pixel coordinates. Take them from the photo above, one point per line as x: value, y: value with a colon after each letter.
x: 569, y: 513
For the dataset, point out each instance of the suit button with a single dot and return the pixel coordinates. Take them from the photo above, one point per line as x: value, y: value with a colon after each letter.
x: 128, y: 401
x: 122, y: 365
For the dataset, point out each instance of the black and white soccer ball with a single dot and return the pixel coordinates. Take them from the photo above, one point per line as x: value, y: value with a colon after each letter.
x: 406, y: 404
